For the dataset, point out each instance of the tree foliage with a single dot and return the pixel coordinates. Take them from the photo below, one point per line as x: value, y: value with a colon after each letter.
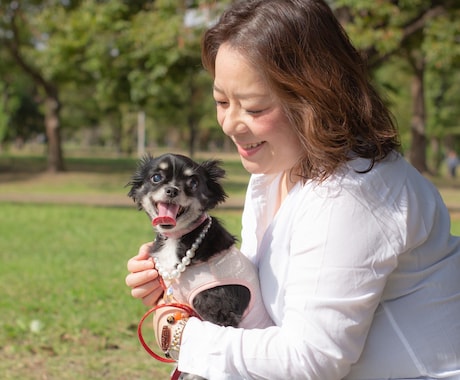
x: 22, y: 40
x: 96, y: 63
x: 425, y: 33
x: 122, y: 56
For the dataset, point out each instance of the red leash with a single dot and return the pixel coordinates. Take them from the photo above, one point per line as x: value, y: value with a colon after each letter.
x: 187, y: 309
x: 175, y: 375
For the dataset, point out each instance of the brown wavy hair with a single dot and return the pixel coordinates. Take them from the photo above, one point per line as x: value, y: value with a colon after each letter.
x: 308, y: 61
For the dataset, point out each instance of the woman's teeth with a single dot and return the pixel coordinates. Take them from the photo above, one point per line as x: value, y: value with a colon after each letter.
x: 252, y: 146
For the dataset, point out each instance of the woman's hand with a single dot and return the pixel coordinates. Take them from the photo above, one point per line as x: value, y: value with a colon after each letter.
x: 168, y: 325
x: 143, y: 277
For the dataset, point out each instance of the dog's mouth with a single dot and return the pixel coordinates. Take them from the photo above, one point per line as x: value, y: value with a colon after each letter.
x: 167, y: 214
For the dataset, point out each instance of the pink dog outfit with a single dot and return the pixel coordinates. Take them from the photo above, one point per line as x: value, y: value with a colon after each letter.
x: 230, y: 267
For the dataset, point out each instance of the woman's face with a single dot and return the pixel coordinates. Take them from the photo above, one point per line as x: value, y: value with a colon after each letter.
x: 251, y: 115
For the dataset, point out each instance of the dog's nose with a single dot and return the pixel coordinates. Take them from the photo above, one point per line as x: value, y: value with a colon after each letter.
x: 172, y: 192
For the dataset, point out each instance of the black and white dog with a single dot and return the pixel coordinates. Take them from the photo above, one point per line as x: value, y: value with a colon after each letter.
x: 176, y: 193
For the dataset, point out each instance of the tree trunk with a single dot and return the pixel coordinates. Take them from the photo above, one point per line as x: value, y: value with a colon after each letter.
x: 436, y: 148
x: 51, y: 98
x: 417, y: 154
x: 140, y: 133
x: 193, y: 136
x: 53, y: 134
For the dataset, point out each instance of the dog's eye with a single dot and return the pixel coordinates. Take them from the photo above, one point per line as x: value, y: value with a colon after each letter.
x: 156, y: 178
x: 192, y: 183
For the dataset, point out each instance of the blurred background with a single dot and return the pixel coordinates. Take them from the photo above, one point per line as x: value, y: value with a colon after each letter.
x: 87, y: 87
x: 117, y: 77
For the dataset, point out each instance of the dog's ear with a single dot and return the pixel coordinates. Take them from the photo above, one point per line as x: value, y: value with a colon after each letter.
x: 139, y: 175
x: 214, y: 173
x: 214, y: 169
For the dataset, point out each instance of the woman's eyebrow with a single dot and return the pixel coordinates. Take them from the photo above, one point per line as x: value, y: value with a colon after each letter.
x: 249, y: 95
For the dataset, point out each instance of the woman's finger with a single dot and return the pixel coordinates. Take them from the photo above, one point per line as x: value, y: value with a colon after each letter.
x: 151, y: 299
x: 144, y: 251
x: 136, y: 279
x: 145, y: 289
x: 138, y: 265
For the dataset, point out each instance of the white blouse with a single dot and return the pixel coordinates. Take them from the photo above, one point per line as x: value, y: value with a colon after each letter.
x: 360, y: 275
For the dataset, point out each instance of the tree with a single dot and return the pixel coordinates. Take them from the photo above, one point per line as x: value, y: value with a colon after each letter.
x: 442, y: 47
x: 61, y: 43
x: 384, y: 29
x: 136, y: 56
x: 21, y: 40
x: 89, y: 53
x: 167, y: 72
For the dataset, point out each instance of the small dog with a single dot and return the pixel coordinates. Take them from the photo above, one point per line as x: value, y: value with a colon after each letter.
x: 176, y: 193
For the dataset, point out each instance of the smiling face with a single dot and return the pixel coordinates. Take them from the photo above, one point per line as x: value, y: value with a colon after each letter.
x: 252, y: 116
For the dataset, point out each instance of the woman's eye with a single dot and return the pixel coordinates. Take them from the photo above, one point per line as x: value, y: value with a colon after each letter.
x: 220, y: 103
x: 253, y: 112
x: 156, y: 178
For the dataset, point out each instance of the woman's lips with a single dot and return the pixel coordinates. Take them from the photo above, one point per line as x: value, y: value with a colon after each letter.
x: 248, y: 150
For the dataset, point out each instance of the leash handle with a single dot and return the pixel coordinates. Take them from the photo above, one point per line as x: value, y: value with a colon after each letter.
x: 144, y: 344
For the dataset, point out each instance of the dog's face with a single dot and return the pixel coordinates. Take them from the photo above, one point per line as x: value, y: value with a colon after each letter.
x: 175, y: 191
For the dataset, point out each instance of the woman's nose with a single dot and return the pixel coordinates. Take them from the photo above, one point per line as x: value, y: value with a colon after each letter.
x: 231, y: 122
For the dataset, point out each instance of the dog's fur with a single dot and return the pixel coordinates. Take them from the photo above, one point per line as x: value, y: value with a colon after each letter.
x: 177, y: 179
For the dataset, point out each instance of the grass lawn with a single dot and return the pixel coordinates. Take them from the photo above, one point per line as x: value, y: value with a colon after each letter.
x: 66, y: 312
x: 456, y: 227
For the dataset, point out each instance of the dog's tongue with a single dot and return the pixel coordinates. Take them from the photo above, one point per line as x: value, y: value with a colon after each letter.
x: 167, y: 213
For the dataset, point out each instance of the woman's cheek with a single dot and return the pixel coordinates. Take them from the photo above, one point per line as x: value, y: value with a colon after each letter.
x: 220, y: 117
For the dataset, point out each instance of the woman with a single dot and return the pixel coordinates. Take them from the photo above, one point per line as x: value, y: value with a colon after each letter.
x: 357, y: 267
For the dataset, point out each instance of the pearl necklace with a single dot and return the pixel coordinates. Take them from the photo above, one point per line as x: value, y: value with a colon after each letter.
x: 186, y: 260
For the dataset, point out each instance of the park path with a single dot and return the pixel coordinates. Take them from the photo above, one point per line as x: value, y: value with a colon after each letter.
x: 103, y: 200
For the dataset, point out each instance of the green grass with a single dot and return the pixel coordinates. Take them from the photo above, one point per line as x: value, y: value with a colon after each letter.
x: 455, y: 228
x: 66, y: 312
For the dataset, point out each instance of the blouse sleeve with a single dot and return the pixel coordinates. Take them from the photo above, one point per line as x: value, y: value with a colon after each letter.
x: 327, y: 277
